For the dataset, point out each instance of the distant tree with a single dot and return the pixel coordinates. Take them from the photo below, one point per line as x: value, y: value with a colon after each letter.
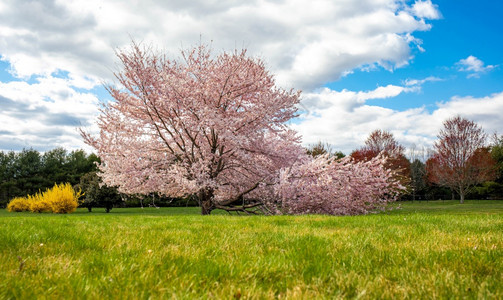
x: 497, y: 155
x: 96, y: 194
x: 54, y: 169
x: 79, y: 163
x: 384, y: 143
x: 8, y: 187
x: 460, y: 159
x: 28, y: 174
x: 418, y: 182
x: 321, y: 148
x: 85, y: 184
x: 417, y: 177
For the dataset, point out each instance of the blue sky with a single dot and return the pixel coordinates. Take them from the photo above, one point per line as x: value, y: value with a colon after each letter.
x: 466, y: 28
x: 402, y: 66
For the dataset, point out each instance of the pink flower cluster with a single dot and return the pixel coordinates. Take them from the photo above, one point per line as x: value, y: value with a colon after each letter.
x: 337, y: 187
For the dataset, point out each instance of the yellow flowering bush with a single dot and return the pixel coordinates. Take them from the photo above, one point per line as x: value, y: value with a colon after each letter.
x: 60, y: 199
x: 38, y: 203
x: 18, y: 204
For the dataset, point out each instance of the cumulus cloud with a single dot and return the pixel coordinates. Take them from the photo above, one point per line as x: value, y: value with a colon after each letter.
x: 306, y: 43
x: 474, y: 66
x: 44, y: 114
x: 316, y: 102
x: 62, y: 50
x: 345, y: 119
x: 426, y: 9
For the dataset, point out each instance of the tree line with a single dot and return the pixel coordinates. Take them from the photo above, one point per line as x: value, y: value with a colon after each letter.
x: 29, y: 171
x: 462, y: 163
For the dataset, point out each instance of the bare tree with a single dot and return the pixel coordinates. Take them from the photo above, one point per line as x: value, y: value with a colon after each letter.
x: 417, y: 157
x: 321, y: 148
x: 460, y: 160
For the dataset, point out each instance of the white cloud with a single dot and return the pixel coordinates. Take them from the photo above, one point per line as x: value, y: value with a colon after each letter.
x: 420, y: 82
x: 426, y: 9
x: 486, y: 111
x: 306, y: 43
x: 44, y: 114
x: 345, y: 119
x: 474, y: 66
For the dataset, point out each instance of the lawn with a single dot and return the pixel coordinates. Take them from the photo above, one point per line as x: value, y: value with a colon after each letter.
x: 424, y: 250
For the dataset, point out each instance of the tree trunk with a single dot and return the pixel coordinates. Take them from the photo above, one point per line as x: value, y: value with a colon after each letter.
x: 462, y: 197
x: 206, y: 201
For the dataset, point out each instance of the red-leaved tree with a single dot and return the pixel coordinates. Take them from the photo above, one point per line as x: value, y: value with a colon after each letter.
x: 460, y: 159
x: 384, y: 143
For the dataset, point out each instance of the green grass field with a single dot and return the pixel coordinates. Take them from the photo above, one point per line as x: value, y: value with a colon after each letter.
x: 424, y: 250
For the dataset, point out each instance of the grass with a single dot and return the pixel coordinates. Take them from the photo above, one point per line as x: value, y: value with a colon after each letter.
x: 423, y: 250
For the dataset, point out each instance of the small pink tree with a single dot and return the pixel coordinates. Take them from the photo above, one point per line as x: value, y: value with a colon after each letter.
x: 208, y: 126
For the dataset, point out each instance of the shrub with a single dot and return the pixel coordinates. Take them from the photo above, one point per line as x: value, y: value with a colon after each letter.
x: 62, y: 198
x: 38, y: 203
x: 18, y: 204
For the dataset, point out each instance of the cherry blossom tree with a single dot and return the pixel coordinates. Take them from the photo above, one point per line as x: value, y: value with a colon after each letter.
x: 214, y: 127
x: 460, y: 159
x: 210, y: 126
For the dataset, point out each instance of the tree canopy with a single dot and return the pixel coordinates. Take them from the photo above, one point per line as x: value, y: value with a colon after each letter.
x: 213, y: 126
x: 460, y: 158
x: 29, y: 171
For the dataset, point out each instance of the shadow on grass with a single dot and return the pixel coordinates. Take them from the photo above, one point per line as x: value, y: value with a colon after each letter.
x: 449, y: 207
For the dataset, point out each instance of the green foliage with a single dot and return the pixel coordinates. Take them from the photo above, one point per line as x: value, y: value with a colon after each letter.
x: 487, y: 190
x: 97, y: 194
x: 417, y: 178
x: 321, y: 148
x: 425, y: 250
x: 28, y: 172
x: 497, y: 155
